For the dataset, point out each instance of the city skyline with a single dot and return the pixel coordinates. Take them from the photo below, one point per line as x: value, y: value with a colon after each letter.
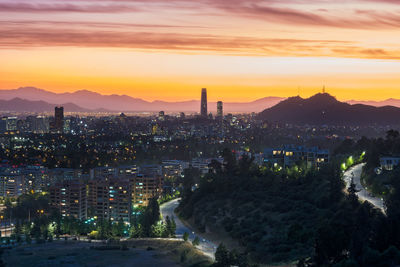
x: 209, y: 133
x: 244, y: 50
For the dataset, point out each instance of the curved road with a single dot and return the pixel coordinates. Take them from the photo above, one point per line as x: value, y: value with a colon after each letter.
x: 363, y: 194
x: 206, y: 246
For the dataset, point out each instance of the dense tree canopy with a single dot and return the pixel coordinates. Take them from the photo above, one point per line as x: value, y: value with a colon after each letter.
x: 284, y: 216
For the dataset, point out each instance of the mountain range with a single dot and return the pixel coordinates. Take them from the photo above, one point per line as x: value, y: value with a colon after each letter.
x: 87, y: 100
x: 31, y: 99
x: 388, y: 102
x: 323, y: 109
x: 22, y: 105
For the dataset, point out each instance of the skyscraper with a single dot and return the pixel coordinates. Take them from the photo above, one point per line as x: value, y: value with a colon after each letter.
x: 220, y: 112
x: 161, y: 116
x: 12, y: 123
x: 59, y: 119
x: 203, y: 106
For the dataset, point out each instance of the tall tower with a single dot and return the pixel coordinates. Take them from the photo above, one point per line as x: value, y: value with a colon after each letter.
x: 59, y: 119
x: 203, y: 105
x: 220, y: 112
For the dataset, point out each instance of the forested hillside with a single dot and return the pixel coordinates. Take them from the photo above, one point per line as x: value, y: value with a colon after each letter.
x: 291, y: 215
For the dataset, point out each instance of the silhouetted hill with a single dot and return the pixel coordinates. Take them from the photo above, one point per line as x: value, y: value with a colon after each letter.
x: 124, y: 103
x: 323, y: 109
x: 22, y: 105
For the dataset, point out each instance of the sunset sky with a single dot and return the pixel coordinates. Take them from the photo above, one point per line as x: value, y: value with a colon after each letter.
x: 168, y: 49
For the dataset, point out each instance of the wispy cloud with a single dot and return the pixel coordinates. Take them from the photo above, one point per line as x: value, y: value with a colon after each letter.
x: 182, y: 27
x: 32, y: 36
x: 43, y: 7
x: 283, y: 12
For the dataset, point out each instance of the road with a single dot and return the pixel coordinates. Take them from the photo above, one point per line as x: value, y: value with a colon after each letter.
x: 206, y: 246
x: 362, y: 193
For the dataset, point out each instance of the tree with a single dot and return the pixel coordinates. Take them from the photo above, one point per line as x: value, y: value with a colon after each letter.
x: 196, y: 241
x: 170, y: 227
x: 158, y: 229
x: 18, y: 231
x: 353, y: 193
x: 245, y: 164
x: 185, y: 236
x: 136, y: 231
x: 222, y: 256
x: 151, y: 216
x: 392, y: 135
x: 18, y: 228
x: 118, y: 228
x: 173, y: 227
x: 215, y: 167
x: 190, y: 176
x: 230, y: 164
x: 35, y: 230
x: 103, y: 228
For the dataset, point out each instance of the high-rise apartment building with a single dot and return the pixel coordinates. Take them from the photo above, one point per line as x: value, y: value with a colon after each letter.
x: 144, y: 187
x: 11, y: 183
x: 161, y: 116
x: 59, y: 119
x: 110, y: 199
x: 39, y: 124
x: 69, y: 197
x: 3, y: 124
x: 203, y: 105
x: 220, y: 111
x: 12, y: 123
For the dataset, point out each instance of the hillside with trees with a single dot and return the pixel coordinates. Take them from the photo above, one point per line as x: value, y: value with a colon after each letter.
x: 324, y: 109
x: 292, y: 215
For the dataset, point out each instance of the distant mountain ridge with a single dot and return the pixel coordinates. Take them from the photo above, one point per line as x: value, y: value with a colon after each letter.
x: 388, y: 102
x: 22, y: 105
x: 88, y: 100
x: 323, y: 109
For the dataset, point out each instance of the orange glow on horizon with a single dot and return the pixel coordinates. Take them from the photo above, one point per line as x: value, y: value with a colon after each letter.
x: 168, y: 50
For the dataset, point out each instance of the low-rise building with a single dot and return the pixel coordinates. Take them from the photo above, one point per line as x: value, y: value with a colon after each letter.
x: 388, y: 163
x: 202, y: 163
x: 290, y: 155
x: 173, y: 168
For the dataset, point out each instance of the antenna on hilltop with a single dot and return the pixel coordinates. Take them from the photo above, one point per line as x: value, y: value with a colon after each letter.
x: 323, y: 90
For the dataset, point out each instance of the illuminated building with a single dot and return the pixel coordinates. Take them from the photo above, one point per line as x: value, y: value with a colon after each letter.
x: 289, y: 155
x: 69, y: 197
x: 110, y: 199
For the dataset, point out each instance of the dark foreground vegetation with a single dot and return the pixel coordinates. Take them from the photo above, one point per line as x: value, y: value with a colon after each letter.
x: 293, y: 215
x: 133, y: 252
